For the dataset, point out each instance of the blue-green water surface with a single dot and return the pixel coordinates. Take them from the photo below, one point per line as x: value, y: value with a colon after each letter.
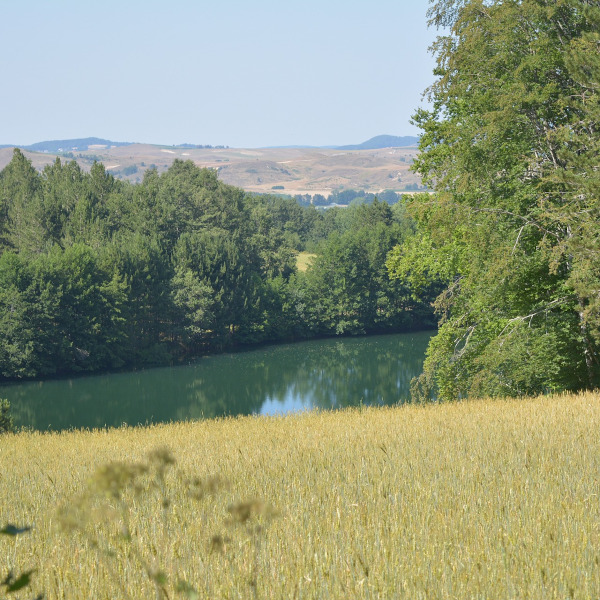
x: 327, y: 374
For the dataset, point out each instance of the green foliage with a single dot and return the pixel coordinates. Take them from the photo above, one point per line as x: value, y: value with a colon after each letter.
x: 6, y: 423
x: 131, y: 170
x: 193, y: 299
x: 13, y: 530
x: 14, y: 583
x: 99, y: 274
x: 22, y: 206
x: 60, y: 312
x: 347, y: 289
x: 510, y: 145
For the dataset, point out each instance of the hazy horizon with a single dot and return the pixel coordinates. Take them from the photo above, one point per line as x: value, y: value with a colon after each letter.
x: 4, y: 143
x: 266, y: 74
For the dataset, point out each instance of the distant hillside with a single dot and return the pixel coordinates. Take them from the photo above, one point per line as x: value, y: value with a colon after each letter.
x: 81, y: 144
x: 289, y: 171
x: 383, y: 141
x: 94, y: 143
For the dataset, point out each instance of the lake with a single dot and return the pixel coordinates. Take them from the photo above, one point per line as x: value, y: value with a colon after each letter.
x: 325, y: 374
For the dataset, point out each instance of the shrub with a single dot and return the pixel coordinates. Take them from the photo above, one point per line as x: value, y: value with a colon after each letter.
x: 6, y: 422
x: 127, y: 504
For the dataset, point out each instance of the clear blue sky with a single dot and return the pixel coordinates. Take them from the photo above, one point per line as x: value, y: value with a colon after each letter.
x: 235, y: 72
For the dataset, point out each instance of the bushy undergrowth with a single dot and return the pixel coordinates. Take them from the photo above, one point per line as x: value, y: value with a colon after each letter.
x: 6, y: 420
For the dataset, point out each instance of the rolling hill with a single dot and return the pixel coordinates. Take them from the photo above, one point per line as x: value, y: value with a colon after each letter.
x: 57, y: 146
x: 372, y: 166
x: 383, y: 141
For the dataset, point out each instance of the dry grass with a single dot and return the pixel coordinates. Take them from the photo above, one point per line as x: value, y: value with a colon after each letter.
x: 486, y: 499
x: 304, y: 260
x: 298, y: 170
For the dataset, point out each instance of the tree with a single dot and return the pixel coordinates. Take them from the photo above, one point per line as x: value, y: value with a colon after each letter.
x: 347, y: 288
x: 60, y: 312
x: 139, y: 263
x: 21, y: 205
x: 221, y: 262
x: 511, y: 148
x: 7, y: 424
x: 192, y: 300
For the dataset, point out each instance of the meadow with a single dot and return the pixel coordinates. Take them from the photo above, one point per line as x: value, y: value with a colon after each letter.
x: 304, y: 260
x: 477, y: 499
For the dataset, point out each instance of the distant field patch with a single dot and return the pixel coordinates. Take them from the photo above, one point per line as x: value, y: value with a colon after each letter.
x: 304, y: 260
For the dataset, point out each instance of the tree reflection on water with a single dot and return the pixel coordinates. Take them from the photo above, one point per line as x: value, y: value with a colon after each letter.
x: 331, y: 373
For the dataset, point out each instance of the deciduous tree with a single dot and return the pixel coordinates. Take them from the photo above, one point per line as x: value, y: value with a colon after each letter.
x: 511, y: 147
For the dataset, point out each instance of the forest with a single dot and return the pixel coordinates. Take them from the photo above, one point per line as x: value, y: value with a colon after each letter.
x: 99, y: 274
x: 511, y: 146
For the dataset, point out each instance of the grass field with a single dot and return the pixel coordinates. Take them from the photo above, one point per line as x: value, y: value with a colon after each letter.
x: 479, y: 499
x: 304, y: 260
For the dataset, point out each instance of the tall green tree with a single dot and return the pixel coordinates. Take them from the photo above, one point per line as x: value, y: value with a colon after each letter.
x: 511, y: 147
x: 347, y: 289
x: 59, y: 312
x: 222, y: 263
x: 22, y: 225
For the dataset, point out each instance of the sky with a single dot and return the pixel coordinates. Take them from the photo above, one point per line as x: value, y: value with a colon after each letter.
x: 237, y: 73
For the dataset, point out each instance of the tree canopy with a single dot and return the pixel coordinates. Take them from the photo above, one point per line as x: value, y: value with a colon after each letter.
x: 99, y: 274
x: 510, y: 145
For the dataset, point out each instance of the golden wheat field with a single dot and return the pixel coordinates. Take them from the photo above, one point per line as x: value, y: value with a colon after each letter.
x: 479, y: 499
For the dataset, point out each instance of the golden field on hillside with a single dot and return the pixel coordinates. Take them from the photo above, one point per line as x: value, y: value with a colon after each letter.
x: 479, y: 499
x: 287, y: 171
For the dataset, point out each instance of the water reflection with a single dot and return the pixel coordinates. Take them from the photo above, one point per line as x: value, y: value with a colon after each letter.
x: 324, y: 373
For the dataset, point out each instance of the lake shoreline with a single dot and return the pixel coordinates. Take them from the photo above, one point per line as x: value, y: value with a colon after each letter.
x: 185, y: 360
x: 326, y: 373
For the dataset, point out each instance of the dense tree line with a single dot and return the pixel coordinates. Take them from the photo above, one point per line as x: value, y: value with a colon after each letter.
x: 511, y: 146
x: 346, y: 197
x: 97, y: 273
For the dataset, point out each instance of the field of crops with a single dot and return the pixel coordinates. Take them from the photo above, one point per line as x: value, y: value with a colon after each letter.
x: 479, y: 499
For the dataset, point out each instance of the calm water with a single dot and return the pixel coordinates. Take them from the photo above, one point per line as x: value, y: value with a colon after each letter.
x: 326, y: 374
